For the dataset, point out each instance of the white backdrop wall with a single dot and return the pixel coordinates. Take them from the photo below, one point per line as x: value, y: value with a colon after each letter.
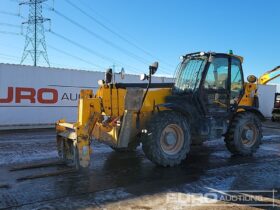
x: 36, y: 96
x: 278, y: 89
x: 266, y: 99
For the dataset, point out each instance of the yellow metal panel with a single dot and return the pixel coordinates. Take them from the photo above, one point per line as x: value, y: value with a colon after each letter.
x: 154, y: 97
x: 115, y: 104
x: 106, y: 100
x: 121, y: 96
x: 248, y: 97
x: 83, y: 110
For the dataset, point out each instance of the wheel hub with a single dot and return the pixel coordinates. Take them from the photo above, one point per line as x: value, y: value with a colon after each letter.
x: 249, y: 134
x: 172, y: 139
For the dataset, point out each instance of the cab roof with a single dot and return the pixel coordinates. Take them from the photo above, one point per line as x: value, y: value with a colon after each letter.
x: 213, y: 54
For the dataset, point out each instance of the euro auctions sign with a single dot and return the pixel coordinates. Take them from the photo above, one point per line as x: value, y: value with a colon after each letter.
x: 19, y: 94
x: 35, y: 95
x: 29, y: 95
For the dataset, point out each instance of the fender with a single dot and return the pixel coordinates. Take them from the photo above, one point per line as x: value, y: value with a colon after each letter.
x: 176, y: 107
x: 253, y: 110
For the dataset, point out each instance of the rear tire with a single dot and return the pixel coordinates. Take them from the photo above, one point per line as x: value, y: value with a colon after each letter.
x: 168, y: 139
x: 244, y: 135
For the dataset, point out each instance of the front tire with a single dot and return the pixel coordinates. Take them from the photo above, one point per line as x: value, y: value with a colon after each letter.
x: 168, y: 139
x: 244, y: 135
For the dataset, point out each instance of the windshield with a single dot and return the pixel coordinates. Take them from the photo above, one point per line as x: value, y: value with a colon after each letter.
x: 189, y: 74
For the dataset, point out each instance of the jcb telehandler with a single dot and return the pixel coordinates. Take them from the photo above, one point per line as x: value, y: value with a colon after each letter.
x: 208, y: 100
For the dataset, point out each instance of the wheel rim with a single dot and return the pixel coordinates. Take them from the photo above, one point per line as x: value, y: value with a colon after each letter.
x: 249, y: 134
x: 172, y: 139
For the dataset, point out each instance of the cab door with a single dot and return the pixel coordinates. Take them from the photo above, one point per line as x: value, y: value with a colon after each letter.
x: 215, y: 89
x: 236, y: 82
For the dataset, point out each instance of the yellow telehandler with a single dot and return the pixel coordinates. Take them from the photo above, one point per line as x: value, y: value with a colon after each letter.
x: 208, y: 100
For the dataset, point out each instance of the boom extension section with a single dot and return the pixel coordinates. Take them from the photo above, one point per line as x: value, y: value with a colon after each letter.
x: 269, y: 76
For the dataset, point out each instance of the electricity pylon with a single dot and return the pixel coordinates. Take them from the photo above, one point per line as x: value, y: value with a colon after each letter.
x: 35, y: 43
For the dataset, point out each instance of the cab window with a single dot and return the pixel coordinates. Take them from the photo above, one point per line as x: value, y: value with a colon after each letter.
x: 236, y: 87
x: 215, y: 87
x: 217, y: 74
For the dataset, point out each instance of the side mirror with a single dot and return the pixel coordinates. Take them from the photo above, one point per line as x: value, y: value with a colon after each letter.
x: 108, y: 76
x: 143, y: 77
x: 153, y: 68
x: 122, y: 73
x: 251, y: 79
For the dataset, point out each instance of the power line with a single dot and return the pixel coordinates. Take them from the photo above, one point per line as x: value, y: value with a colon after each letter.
x: 114, y: 32
x: 130, y: 54
x: 10, y: 33
x: 14, y: 58
x: 63, y: 66
x: 74, y: 56
x: 91, y: 51
x: 9, y: 13
x: 10, y: 25
x: 10, y: 56
x: 109, y: 29
x: 142, y: 60
x: 136, y: 57
x: 80, y: 46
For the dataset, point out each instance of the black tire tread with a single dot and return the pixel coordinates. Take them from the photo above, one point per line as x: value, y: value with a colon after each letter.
x: 229, y: 137
x: 150, y: 145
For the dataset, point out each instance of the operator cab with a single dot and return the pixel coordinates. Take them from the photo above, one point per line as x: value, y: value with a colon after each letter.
x: 214, y: 79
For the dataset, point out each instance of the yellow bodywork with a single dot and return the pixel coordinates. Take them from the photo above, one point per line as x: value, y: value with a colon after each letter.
x: 249, y: 94
x: 100, y: 117
x: 251, y: 88
x: 116, y: 115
